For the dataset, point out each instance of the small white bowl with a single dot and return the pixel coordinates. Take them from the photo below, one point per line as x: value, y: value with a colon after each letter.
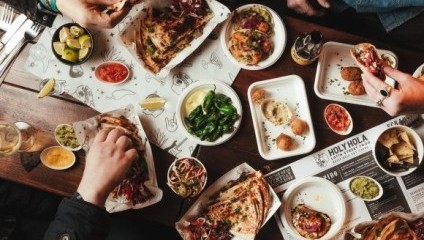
x: 415, y: 140
x: 192, y: 163
x: 419, y: 72
x: 369, y: 180
x: 57, y: 158
x: 341, y: 132
x: 61, y: 142
x: 114, y: 64
x: 279, y: 39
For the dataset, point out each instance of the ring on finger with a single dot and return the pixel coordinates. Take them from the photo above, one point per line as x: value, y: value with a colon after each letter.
x: 385, y: 92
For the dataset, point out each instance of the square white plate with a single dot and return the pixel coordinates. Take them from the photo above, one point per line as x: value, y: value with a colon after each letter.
x: 290, y: 90
x: 328, y: 82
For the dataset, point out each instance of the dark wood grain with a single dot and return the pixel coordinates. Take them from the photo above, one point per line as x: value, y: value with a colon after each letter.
x: 18, y: 102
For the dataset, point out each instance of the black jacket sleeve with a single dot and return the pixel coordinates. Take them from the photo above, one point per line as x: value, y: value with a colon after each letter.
x: 32, y: 9
x: 78, y: 220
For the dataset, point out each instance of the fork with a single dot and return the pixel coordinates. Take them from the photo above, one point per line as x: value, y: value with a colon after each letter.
x: 30, y: 34
x: 6, y: 17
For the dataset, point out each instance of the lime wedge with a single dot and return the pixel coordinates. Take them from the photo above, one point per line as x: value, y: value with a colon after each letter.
x: 83, y: 52
x: 73, y: 44
x: 48, y: 88
x: 59, y: 47
x: 76, y: 31
x: 64, y: 34
x: 70, y: 55
x: 153, y: 103
x: 85, y: 41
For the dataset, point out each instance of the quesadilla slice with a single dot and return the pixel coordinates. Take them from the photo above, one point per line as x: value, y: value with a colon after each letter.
x: 397, y: 229
x: 375, y: 232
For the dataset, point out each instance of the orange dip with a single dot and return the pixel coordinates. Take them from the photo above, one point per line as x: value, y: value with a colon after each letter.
x: 58, y: 157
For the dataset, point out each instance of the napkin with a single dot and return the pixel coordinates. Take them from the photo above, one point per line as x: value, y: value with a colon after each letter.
x: 206, y: 63
x: 30, y: 160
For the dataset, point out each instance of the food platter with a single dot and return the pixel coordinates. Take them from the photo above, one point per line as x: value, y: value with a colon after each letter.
x: 319, y: 194
x: 128, y: 37
x: 328, y: 82
x: 219, y: 87
x: 291, y: 91
x: 278, y: 38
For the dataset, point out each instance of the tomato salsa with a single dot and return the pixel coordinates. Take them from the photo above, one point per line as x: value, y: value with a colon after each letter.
x: 337, y: 117
x: 112, y: 72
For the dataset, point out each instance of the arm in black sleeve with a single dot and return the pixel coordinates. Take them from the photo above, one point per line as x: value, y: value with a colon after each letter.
x: 33, y: 10
x: 78, y: 220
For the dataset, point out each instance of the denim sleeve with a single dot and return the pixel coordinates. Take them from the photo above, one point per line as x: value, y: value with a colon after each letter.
x: 377, y: 6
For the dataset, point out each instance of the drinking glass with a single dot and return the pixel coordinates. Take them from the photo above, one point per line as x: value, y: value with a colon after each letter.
x: 18, y: 136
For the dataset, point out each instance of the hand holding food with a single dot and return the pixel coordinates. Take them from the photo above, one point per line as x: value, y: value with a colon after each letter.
x: 95, y: 13
x: 368, y: 59
x: 107, y: 163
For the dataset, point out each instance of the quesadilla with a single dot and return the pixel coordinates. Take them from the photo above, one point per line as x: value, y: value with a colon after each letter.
x: 165, y: 32
x: 375, y: 232
x: 397, y: 229
x: 309, y: 223
x: 240, y: 207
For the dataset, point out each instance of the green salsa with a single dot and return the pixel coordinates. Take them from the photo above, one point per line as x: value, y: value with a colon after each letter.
x: 364, y: 187
x: 65, y: 135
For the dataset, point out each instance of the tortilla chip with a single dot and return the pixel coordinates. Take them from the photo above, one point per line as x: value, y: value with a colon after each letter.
x: 388, y: 138
x: 402, y: 148
x: 404, y: 136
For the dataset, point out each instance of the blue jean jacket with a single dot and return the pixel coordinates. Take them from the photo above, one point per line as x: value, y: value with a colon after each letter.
x: 392, y: 13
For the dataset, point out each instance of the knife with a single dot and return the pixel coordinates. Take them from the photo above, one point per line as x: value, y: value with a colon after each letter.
x: 17, y: 22
x: 15, y: 40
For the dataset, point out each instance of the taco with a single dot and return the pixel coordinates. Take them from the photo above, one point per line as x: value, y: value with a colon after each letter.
x: 309, y: 223
x: 368, y: 59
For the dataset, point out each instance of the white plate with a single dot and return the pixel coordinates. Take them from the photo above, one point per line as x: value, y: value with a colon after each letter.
x: 290, y: 90
x: 418, y: 72
x: 219, y: 87
x: 279, y: 38
x: 318, y: 194
x: 220, y: 14
x: 328, y: 82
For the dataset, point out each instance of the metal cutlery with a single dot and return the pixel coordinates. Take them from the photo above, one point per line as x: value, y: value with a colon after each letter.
x: 6, y: 17
x: 27, y: 32
x: 17, y: 22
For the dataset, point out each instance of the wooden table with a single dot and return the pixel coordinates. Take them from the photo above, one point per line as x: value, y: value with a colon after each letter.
x: 18, y: 102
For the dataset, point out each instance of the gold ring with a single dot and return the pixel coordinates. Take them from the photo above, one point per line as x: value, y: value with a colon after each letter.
x: 385, y: 92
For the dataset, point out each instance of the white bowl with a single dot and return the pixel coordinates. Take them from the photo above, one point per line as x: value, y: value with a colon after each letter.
x: 419, y: 71
x: 111, y: 81
x: 60, y: 142
x: 191, y: 160
x: 341, y: 132
x: 219, y: 87
x: 57, y: 154
x: 415, y: 140
x: 370, y: 179
x: 279, y: 39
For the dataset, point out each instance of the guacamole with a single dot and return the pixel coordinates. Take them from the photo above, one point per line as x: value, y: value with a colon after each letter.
x: 364, y: 188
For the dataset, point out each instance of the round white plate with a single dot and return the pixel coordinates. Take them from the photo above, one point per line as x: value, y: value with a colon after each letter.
x: 279, y: 38
x: 318, y: 194
x: 418, y: 72
x: 219, y: 87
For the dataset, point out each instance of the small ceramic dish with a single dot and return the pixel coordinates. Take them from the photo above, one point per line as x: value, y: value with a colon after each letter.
x: 419, y: 72
x: 112, y: 72
x: 395, y: 143
x: 366, y: 188
x: 57, y: 158
x: 72, y: 44
x: 65, y: 136
x: 338, y: 119
x: 187, y: 177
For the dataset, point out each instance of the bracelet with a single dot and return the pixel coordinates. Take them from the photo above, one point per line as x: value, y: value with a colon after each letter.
x: 53, y: 5
x: 50, y: 5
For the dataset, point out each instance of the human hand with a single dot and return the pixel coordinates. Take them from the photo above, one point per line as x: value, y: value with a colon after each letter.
x: 91, y: 13
x: 309, y: 7
x: 408, y: 98
x: 106, y: 164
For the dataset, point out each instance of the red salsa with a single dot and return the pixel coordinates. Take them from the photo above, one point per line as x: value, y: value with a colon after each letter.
x: 337, y: 117
x: 112, y: 72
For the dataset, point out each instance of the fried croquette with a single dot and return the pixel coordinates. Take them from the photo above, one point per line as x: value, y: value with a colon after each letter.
x: 356, y: 88
x: 258, y: 95
x: 351, y: 73
x: 284, y: 142
x: 298, y: 126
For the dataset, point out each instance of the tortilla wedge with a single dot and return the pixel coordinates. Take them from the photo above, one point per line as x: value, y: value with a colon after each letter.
x: 397, y: 229
x: 375, y: 232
